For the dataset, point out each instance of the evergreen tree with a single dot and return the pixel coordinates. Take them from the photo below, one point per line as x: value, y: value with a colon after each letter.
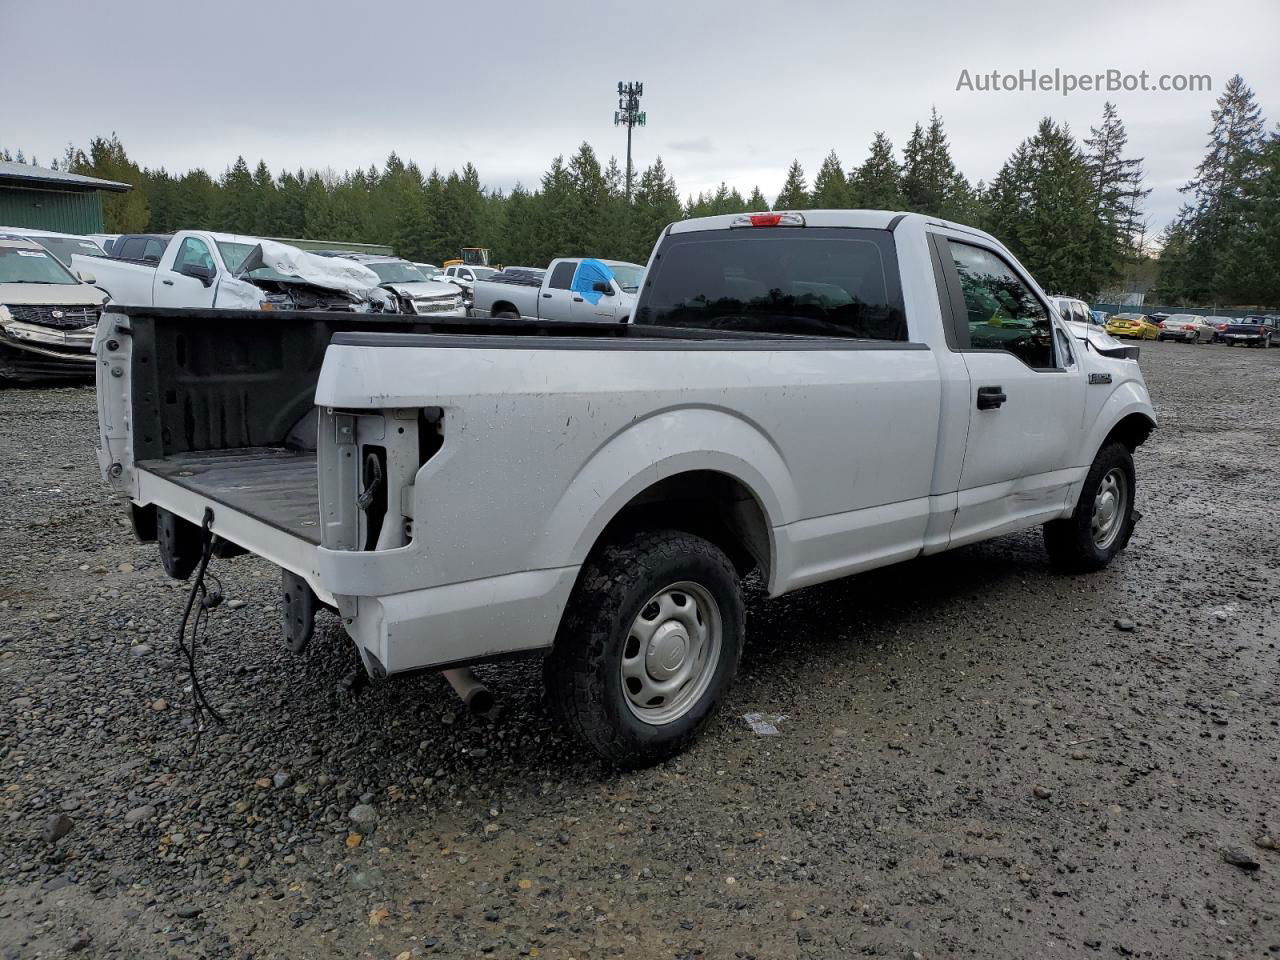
x: 1249, y: 269
x: 236, y: 210
x: 930, y: 182
x: 266, y: 217
x: 756, y: 203
x: 794, y: 194
x: 876, y: 185
x: 556, y: 207
x: 1217, y: 193
x: 520, y: 242
x: 655, y: 203
x: 1118, y: 190
x: 590, y: 199
x: 289, y: 216
x: 1043, y: 207
x: 121, y: 212
x: 161, y: 191
x: 830, y: 189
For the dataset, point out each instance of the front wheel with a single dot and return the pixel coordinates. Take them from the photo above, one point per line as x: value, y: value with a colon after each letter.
x: 648, y: 646
x: 1103, y: 519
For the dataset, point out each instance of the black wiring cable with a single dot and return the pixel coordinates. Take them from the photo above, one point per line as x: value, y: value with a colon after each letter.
x: 200, y: 704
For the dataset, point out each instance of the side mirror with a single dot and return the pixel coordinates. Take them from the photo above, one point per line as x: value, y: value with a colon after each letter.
x: 86, y: 277
x: 199, y: 271
x: 600, y: 286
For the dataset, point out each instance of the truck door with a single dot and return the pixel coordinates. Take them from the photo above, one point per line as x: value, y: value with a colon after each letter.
x: 555, y: 301
x: 605, y: 307
x: 190, y: 280
x: 1026, y: 395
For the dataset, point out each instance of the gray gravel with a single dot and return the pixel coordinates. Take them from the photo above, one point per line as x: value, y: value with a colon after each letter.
x: 975, y: 757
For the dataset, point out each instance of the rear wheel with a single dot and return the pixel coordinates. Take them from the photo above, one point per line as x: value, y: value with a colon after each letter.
x: 1103, y: 519
x: 648, y: 646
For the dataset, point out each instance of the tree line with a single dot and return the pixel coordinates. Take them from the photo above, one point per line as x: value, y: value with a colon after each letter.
x: 1071, y: 210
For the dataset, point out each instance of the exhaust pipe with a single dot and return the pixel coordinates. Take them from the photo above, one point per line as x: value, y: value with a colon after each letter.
x: 474, y: 694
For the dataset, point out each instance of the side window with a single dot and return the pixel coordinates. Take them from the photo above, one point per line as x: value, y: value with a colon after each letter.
x: 153, y: 251
x: 466, y: 275
x: 1064, y: 349
x: 131, y: 249
x: 193, y: 250
x: 1003, y: 313
x: 562, y: 275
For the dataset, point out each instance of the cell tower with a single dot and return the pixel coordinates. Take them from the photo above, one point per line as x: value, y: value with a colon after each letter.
x: 629, y: 115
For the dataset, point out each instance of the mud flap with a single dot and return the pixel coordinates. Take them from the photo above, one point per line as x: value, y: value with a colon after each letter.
x: 300, y: 605
x: 180, y: 544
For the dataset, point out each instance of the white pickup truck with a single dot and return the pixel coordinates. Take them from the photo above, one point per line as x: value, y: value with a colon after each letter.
x: 226, y: 271
x: 575, y: 289
x: 804, y: 395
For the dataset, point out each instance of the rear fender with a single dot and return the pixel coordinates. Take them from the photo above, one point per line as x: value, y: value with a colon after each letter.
x: 667, y: 443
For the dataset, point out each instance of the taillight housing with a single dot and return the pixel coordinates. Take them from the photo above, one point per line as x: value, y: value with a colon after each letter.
x: 769, y: 220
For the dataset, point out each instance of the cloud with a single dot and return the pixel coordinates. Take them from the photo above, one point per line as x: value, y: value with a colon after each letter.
x: 696, y: 145
x: 716, y: 112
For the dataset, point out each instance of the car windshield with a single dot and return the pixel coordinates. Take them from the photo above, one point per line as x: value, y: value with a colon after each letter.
x: 64, y: 248
x: 233, y: 255
x: 628, y: 276
x: 397, y: 271
x: 428, y: 271
x: 22, y: 265
x: 1252, y: 321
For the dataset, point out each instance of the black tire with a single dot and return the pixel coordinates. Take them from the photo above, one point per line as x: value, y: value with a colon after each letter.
x: 1070, y: 542
x: 583, y: 673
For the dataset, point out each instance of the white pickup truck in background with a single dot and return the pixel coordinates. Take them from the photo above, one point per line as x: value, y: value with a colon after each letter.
x: 574, y: 288
x: 806, y: 395
x: 226, y: 271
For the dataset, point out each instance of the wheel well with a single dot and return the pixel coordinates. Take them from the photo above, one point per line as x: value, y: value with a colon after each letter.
x: 1132, y: 431
x: 502, y: 305
x: 712, y: 505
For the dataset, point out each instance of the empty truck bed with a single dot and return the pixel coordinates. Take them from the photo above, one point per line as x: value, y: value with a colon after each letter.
x: 274, y: 485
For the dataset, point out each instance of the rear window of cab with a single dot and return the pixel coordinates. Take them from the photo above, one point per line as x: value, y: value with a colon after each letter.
x: 797, y: 281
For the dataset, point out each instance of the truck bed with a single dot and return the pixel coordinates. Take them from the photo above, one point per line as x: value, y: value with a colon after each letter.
x: 273, y: 485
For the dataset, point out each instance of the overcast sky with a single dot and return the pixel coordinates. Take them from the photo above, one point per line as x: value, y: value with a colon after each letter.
x: 733, y: 90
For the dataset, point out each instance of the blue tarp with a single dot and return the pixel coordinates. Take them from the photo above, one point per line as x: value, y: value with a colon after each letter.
x: 590, y: 272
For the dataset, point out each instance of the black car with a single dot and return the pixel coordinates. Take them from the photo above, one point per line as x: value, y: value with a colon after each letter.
x: 1254, y: 331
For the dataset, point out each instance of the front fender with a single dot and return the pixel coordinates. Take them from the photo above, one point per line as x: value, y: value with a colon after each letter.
x: 666, y: 443
x: 1128, y: 397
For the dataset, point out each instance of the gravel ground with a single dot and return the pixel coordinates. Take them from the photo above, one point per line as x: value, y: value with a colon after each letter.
x: 976, y: 757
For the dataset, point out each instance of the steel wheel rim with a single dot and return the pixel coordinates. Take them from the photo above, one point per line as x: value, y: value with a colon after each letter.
x: 671, y: 652
x: 1110, y: 507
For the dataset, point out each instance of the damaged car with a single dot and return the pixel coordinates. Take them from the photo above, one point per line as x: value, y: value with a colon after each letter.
x: 415, y: 291
x: 48, y: 315
x: 226, y: 271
